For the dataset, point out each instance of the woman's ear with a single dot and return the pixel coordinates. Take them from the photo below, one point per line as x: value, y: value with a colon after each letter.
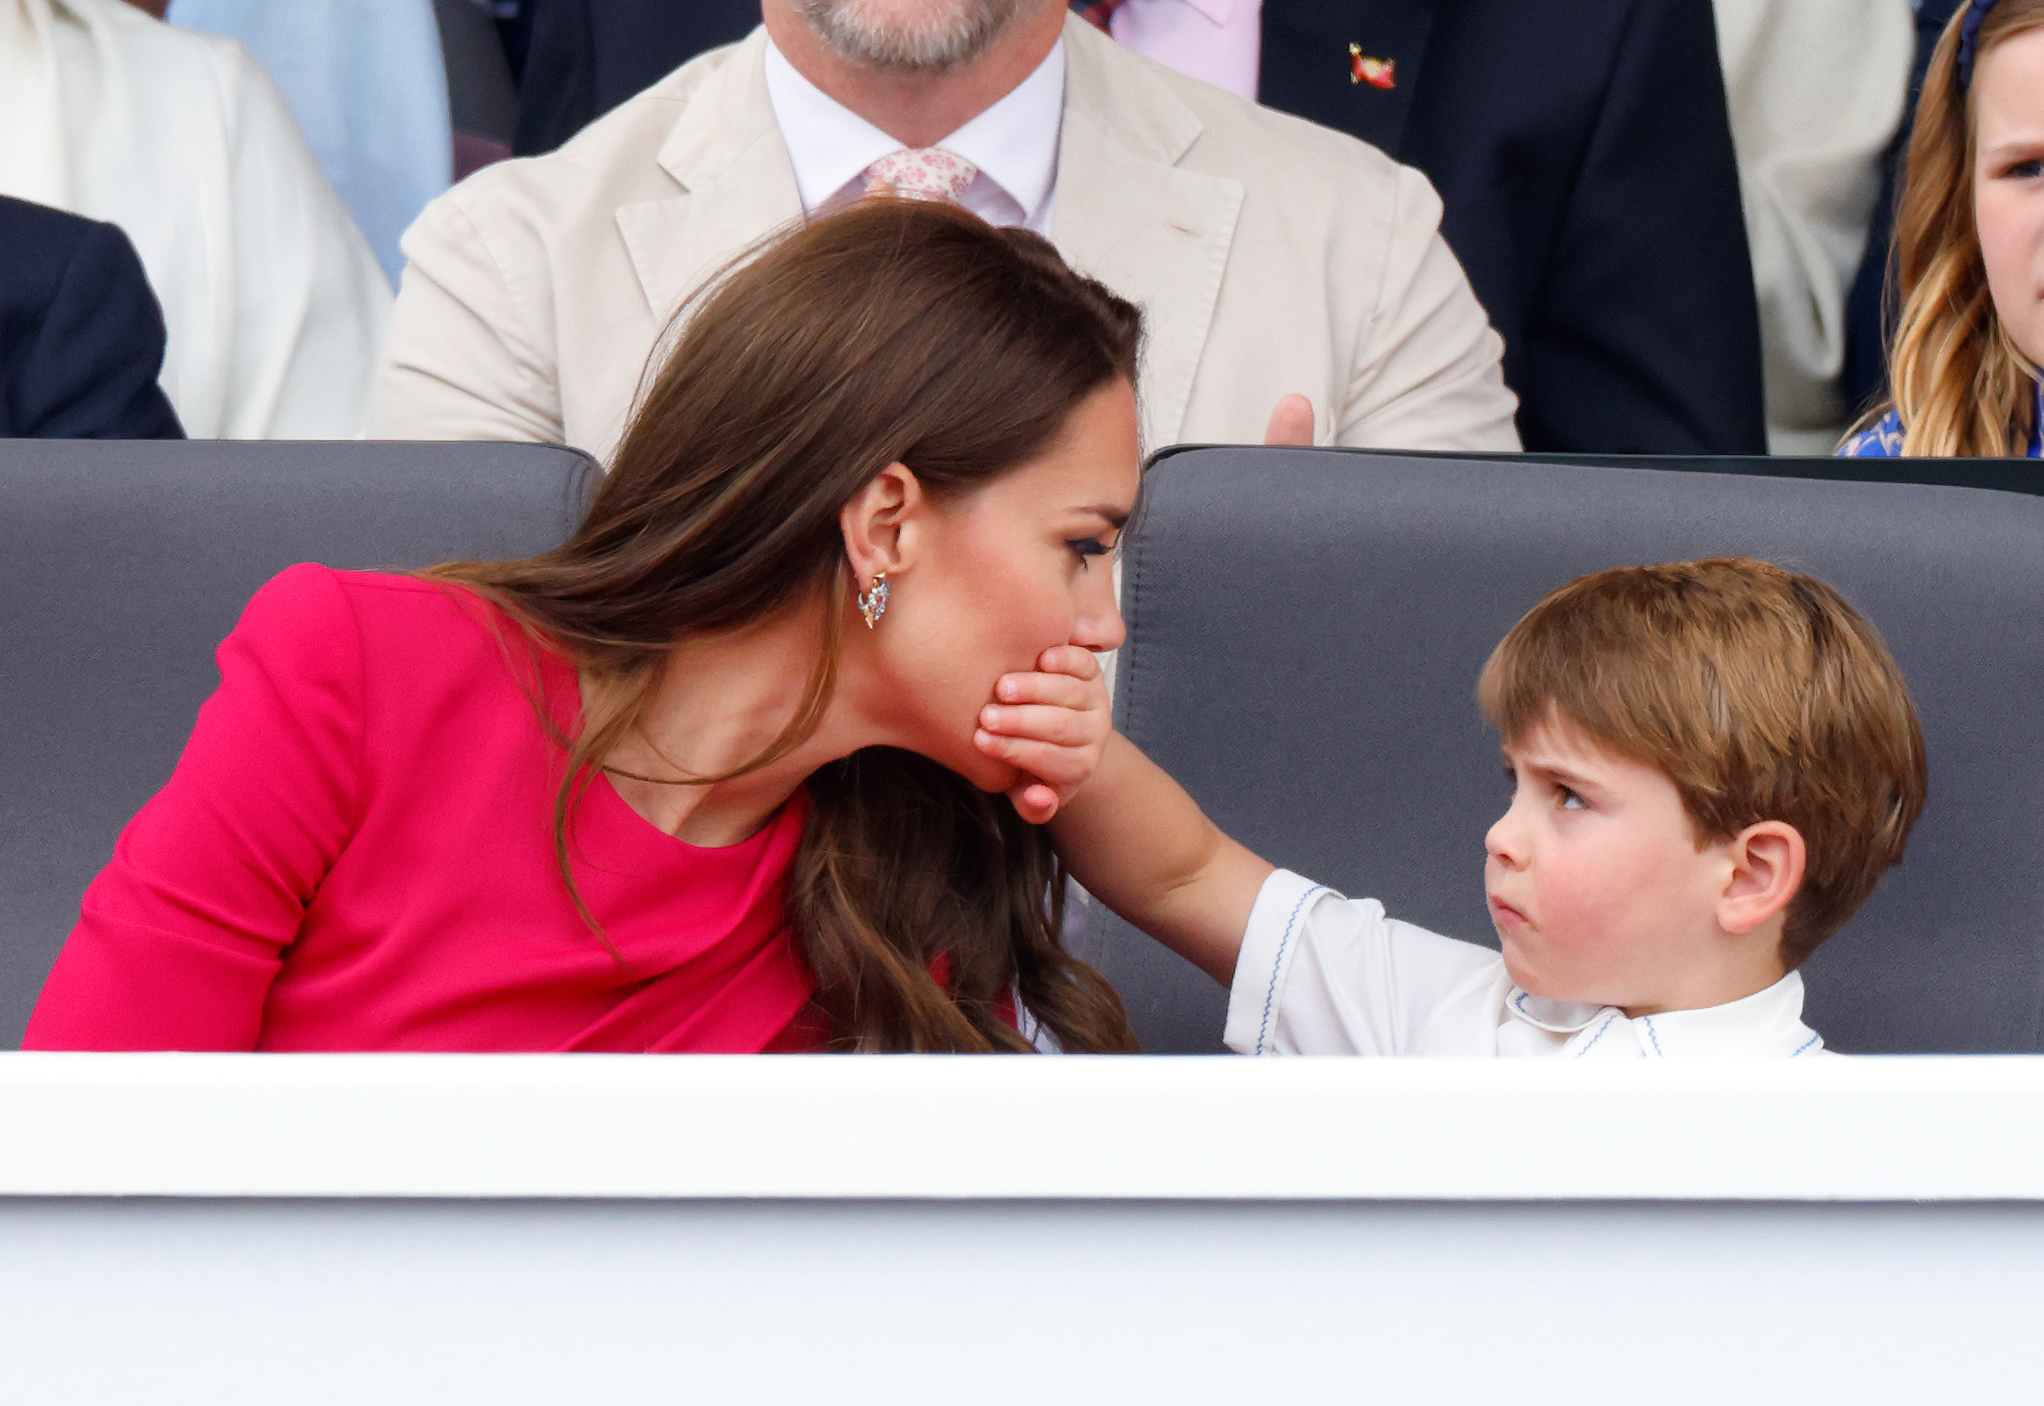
x: 874, y: 519
x: 1767, y: 873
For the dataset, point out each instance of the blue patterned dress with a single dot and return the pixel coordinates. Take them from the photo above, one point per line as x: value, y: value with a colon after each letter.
x: 1884, y: 439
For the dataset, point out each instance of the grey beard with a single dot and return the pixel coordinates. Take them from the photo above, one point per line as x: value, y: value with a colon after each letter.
x: 942, y: 43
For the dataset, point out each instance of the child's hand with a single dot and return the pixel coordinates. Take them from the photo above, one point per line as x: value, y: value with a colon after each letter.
x: 1052, y: 725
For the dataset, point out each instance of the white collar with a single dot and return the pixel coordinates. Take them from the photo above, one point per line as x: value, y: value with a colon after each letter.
x: 1768, y: 1023
x: 1014, y: 143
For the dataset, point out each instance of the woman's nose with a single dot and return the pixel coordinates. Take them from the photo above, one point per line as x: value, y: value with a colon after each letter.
x: 1099, y: 626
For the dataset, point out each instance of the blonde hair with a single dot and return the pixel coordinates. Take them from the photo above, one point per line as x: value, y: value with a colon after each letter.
x: 1960, y: 386
x: 1760, y: 693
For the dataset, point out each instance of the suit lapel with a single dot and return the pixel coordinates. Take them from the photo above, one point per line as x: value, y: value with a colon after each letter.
x: 726, y: 155
x: 1127, y: 215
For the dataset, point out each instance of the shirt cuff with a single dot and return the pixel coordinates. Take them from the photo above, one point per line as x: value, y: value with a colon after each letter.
x: 1268, y: 945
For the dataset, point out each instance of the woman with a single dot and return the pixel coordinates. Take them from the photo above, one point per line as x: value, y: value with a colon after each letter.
x: 710, y: 775
x: 1968, y: 241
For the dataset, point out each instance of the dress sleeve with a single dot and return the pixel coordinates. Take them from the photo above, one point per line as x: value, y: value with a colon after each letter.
x: 1321, y: 974
x: 1881, y: 440
x: 181, y: 934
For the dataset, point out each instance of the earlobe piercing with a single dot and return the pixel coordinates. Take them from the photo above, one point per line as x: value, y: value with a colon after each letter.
x: 873, y: 603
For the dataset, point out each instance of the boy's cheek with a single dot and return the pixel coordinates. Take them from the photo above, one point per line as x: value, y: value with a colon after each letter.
x: 1548, y: 960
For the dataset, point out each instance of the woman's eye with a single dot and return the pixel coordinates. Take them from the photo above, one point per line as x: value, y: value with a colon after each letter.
x: 1084, y: 547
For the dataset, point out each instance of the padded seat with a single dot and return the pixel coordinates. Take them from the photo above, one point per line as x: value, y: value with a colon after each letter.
x: 1305, y: 632
x: 122, y: 564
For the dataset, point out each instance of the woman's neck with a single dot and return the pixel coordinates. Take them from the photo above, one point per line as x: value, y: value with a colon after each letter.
x: 722, y: 701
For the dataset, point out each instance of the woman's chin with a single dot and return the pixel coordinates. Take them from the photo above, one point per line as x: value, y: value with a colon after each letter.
x: 983, y: 771
x: 990, y: 775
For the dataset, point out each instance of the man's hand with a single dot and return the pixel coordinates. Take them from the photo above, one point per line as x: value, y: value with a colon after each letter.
x: 1052, y: 725
x: 1291, y: 423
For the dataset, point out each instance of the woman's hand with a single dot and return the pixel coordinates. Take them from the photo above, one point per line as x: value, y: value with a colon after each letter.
x: 1052, y: 725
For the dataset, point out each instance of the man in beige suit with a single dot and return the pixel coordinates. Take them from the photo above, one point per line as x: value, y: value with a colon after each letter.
x: 1275, y: 259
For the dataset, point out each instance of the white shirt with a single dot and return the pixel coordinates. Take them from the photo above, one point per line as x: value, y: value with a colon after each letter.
x: 1013, y: 143
x: 1321, y: 974
x: 274, y: 304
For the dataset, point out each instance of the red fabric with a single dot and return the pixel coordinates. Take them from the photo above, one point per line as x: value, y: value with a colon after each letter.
x: 356, y: 853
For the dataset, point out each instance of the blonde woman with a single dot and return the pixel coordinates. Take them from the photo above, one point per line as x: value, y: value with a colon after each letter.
x: 1969, y: 248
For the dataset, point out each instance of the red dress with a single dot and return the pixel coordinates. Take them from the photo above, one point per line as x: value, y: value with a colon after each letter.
x: 356, y: 853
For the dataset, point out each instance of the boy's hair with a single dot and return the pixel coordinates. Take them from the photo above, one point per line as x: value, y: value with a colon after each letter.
x: 1760, y: 693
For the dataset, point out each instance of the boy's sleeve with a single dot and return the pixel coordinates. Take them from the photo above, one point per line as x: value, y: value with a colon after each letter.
x: 180, y: 935
x: 1321, y: 974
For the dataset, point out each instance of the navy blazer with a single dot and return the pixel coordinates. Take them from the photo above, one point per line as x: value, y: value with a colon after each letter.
x: 81, y: 335
x: 584, y: 57
x: 1584, y: 156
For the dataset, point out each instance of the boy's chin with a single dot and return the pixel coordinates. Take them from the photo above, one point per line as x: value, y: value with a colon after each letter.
x: 1522, y: 975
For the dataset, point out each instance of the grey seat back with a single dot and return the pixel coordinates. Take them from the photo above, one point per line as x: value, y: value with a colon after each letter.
x: 124, y: 564
x: 1306, y: 630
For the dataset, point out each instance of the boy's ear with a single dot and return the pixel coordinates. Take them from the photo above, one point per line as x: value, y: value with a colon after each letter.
x: 1767, y: 872
x: 877, y: 522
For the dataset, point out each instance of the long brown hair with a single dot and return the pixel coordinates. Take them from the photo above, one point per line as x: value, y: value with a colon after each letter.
x: 1960, y: 386
x: 895, y: 332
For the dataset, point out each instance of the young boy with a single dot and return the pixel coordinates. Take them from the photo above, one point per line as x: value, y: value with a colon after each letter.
x: 1711, y: 764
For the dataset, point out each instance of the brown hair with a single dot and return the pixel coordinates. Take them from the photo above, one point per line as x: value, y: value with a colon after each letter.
x: 896, y: 331
x: 1959, y: 384
x: 1760, y: 693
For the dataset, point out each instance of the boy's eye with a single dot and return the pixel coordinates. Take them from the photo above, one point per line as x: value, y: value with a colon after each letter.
x: 1511, y: 779
x: 1569, y: 799
x: 1084, y: 547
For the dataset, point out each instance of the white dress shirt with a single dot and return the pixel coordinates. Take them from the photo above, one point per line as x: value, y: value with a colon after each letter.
x: 1321, y: 974
x: 1013, y: 143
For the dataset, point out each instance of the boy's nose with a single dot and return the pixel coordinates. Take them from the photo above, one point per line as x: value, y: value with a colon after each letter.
x: 1501, y: 842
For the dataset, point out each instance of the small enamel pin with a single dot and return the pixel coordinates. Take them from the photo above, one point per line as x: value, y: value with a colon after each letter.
x: 1378, y: 73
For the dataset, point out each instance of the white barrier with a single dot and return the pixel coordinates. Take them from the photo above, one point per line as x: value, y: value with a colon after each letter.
x: 228, y: 1229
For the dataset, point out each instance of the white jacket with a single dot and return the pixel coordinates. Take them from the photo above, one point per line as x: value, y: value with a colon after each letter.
x: 274, y: 304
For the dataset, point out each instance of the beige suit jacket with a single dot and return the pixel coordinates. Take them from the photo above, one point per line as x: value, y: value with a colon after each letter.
x: 1270, y: 256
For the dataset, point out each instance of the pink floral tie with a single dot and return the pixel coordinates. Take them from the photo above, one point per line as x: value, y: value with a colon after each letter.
x: 921, y: 173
